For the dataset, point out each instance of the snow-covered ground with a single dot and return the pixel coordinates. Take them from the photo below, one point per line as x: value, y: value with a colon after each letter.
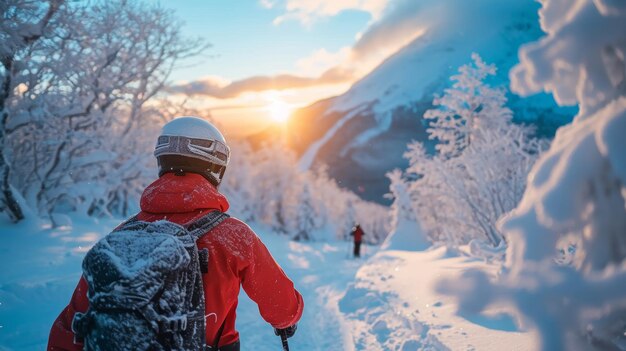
x: 393, y: 305
x: 385, y: 301
x: 40, y: 266
x: 39, y: 269
x: 321, y: 272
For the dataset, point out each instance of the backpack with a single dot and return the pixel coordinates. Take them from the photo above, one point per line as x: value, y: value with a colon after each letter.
x: 145, y: 287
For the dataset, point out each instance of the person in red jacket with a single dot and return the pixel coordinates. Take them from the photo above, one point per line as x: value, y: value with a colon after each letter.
x: 192, y: 156
x: 357, y: 233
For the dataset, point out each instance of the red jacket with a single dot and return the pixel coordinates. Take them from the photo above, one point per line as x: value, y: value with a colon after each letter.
x: 237, y: 258
x: 358, y: 233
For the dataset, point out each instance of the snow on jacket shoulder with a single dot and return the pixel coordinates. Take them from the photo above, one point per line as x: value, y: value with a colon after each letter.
x: 237, y: 258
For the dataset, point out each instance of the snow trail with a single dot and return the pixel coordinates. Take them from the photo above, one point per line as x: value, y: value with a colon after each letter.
x: 393, y: 304
x: 321, y: 273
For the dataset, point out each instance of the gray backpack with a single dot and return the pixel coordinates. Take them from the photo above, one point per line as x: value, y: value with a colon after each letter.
x: 145, y: 287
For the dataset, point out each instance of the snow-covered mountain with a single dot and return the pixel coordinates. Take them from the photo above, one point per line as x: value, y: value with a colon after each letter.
x: 363, y: 133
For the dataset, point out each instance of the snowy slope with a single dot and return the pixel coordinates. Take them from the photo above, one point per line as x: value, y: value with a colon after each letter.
x: 393, y: 305
x: 455, y: 29
x: 363, y: 133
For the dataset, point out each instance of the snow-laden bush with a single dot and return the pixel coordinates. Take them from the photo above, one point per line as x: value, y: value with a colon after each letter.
x: 576, y: 192
x: 478, y: 170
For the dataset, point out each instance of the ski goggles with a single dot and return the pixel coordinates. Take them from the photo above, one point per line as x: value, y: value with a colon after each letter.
x: 213, y: 151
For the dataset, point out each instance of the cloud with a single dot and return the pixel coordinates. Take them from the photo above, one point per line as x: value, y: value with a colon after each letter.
x: 322, y: 60
x: 268, y: 4
x: 217, y: 89
x: 307, y: 11
x: 400, y: 23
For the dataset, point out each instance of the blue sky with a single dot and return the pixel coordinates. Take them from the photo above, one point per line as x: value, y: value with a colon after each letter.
x: 247, y: 43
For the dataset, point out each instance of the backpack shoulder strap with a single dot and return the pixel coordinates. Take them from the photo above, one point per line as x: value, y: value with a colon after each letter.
x: 204, y: 224
x: 196, y: 228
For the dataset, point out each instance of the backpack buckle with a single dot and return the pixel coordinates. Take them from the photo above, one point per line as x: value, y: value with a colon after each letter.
x: 81, y: 323
x: 175, y: 323
x: 162, y: 324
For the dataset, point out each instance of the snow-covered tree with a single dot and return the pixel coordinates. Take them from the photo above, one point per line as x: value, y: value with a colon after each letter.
x: 77, y: 79
x: 478, y: 171
x: 326, y: 189
x: 305, y: 215
x: 406, y: 233
x: 347, y: 220
x: 430, y: 194
x: 238, y: 184
x: 375, y: 220
x: 576, y: 191
x: 275, y: 179
x: 23, y: 24
x: 467, y: 109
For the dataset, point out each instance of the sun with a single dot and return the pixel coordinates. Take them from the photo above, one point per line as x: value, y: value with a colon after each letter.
x: 279, y: 110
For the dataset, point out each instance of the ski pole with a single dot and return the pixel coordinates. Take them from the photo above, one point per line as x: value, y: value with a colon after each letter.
x: 283, y: 338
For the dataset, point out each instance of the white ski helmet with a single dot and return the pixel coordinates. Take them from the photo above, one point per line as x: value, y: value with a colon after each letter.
x: 191, y: 144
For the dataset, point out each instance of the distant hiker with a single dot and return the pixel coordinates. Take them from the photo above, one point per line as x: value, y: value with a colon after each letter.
x: 357, y: 233
x: 169, y: 278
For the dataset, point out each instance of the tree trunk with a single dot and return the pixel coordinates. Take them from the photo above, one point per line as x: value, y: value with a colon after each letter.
x: 7, y: 198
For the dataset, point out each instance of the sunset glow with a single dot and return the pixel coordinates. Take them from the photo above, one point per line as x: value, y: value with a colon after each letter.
x: 279, y: 111
x: 277, y: 57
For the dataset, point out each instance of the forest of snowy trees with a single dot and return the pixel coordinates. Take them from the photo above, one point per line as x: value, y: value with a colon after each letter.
x: 266, y: 186
x: 82, y: 101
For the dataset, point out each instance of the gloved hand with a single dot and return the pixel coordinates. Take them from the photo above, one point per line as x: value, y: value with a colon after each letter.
x: 288, y: 332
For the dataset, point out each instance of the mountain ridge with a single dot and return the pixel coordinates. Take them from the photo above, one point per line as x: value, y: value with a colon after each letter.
x: 362, y: 134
